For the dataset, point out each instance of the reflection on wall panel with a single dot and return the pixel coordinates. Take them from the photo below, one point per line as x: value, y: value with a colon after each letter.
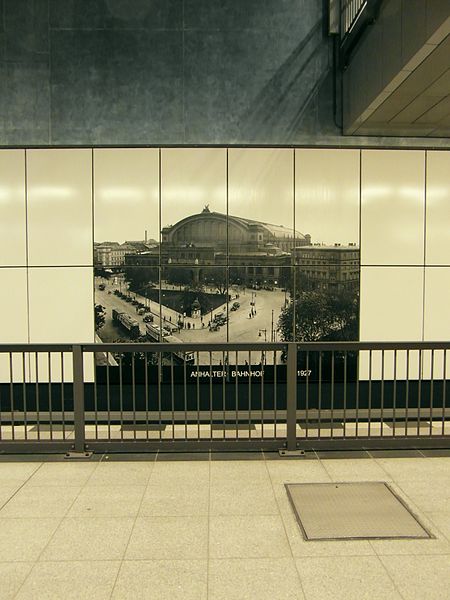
x: 261, y: 188
x: 126, y: 201
x: 327, y: 195
x: 193, y: 181
x: 59, y: 204
x: 438, y: 209
x: 391, y: 311
x: 14, y: 324
x: 12, y: 208
x: 60, y: 309
x: 392, y: 207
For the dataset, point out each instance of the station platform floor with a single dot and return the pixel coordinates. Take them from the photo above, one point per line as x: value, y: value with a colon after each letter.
x: 211, y: 526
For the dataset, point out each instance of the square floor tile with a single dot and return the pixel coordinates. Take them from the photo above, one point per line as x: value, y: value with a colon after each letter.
x: 90, y: 538
x: 242, y: 498
x: 15, y: 474
x: 247, y: 537
x: 168, y: 538
x: 173, y: 498
x: 64, y: 474
x: 261, y: 578
x: 24, y: 539
x: 70, y: 580
x: 117, y: 473
x: 345, y: 578
x: 12, y: 575
x: 43, y: 501
x: 162, y: 579
x: 420, y: 577
x: 196, y: 472
x: 290, y: 471
x: 7, y: 492
x: 355, y: 470
x: 108, y: 501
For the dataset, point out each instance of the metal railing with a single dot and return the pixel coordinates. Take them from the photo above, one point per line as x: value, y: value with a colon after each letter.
x: 351, y: 10
x: 355, y: 17
x: 273, y: 396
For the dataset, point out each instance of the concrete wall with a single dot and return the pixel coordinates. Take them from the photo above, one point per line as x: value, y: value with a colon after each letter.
x: 93, y: 72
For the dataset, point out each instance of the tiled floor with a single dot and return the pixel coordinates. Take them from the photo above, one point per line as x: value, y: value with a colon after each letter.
x: 219, y: 527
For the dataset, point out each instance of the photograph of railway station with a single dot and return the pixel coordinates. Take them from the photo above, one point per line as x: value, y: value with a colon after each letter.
x: 247, y: 249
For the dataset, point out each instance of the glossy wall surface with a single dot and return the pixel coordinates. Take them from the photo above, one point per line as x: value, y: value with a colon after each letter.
x: 54, y: 204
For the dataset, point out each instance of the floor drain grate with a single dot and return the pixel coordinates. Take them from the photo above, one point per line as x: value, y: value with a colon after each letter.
x: 352, y: 511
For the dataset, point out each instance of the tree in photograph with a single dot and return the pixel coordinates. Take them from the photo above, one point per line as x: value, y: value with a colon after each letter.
x: 216, y: 278
x: 140, y: 277
x: 321, y: 316
x: 100, y: 315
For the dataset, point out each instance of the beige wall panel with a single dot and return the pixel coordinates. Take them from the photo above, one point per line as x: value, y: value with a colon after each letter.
x: 61, y: 311
x: 391, y: 310
x: 126, y: 194
x: 261, y: 185
x: 438, y: 209
x: 59, y: 205
x: 192, y: 178
x: 392, y: 207
x: 13, y: 250
x: 327, y: 195
x: 14, y: 329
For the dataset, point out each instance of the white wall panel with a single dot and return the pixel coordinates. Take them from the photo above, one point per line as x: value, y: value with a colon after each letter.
x: 12, y: 208
x: 59, y: 206
x: 438, y: 209
x: 437, y: 318
x: 327, y: 195
x: 14, y: 326
x: 126, y: 194
x: 392, y: 207
x: 391, y: 310
x: 61, y: 311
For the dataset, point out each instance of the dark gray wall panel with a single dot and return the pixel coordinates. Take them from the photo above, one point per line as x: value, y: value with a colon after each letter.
x: 24, y: 104
x: 116, y: 87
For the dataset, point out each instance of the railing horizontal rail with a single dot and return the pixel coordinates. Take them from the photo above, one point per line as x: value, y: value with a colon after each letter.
x: 276, y: 395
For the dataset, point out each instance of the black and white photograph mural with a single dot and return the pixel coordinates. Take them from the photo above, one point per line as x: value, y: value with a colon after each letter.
x: 216, y: 245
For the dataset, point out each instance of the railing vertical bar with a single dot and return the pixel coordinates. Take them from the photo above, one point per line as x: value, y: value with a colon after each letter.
x: 236, y: 392
x: 121, y: 396
x: 307, y: 396
x: 431, y: 392
x: 345, y: 396
x: 275, y: 393
x: 263, y: 360
x: 50, y: 414
x: 63, y: 400
x: 407, y: 393
x: 291, y: 396
x: 95, y: 396
x: 249, y: 394
x: 160, y: 376
x: 24, y: 396
x: 419, y: 394
x: 319, y: 400
x: 78, y: 398
x: 394, y: 395
x: 158, y: 385
x: 108, y: 396
x: 444, y: 378
x: 210, y: 397
x: 223, y: 395
x: 133, y: 392
x: 146, y: 398
x: 382, y: 394
x: 198, y: 396
x: 332, y: 396
x: 172, y: 393
x: 369, y: 401
x: 357, y: 395
x: 38, y: 418
x: 185, y: 397
x: 11, y: 395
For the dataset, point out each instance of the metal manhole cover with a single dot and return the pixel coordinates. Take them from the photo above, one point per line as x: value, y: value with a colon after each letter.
x: 349, y: 511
